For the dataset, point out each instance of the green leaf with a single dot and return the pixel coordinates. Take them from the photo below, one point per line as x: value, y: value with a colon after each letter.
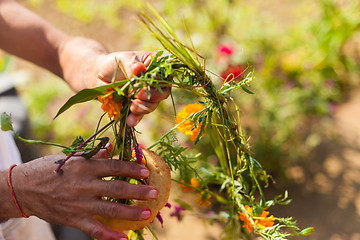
x: 203, y: 125
x: 306, y: 231
x: 79, y: 140
x: 247, y: 90
x: 82, y: 96
x: 222, y: 200
x: 255, y: 164
x: 154, y: 63
x: 148, y: 92
x: 87, y: 95
x: 159, y: 88
x: 6, y: 123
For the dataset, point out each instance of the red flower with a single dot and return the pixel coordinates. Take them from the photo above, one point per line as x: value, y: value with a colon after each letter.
x: 232, y: 73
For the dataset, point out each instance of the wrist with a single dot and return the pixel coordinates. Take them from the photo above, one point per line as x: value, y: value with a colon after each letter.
x: 13, y: 195
x: 8, y: 208
x: 79, y: 58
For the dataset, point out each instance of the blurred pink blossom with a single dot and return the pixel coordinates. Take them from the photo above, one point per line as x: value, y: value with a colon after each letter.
x: 178, y: 212
x: 225, y: 50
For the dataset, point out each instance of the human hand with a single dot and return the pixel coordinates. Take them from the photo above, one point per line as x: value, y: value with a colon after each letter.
x: 73, y: 198
x: 87, y: 64
x: 134, y: 63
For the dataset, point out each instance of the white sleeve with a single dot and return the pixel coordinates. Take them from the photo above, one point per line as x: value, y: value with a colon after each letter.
x: 9, y: 154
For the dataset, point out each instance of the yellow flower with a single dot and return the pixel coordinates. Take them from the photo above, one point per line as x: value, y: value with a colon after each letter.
x: 193, y: 182
x: 187, y: 127
x: 110, y: 105
x: 261, y: 222
x: 203, y: 199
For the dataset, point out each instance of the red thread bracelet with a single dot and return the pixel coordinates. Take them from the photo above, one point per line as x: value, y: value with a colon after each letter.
x: 12, y: 192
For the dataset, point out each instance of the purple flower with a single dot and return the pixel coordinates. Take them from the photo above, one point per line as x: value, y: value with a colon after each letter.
x: 168, y: 205
x: 177, y: 212
x: 138, y: 153
x: 158, y: 216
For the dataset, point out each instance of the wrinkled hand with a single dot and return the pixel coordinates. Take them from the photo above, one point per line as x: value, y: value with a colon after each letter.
x: 73, y: 198
x: 134, y: 63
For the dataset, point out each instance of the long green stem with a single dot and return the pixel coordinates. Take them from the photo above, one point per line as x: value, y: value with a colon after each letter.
x: 37, y: 141
x: 82, y: 145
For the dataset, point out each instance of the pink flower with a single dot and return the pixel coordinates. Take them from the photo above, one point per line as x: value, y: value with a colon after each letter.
x: 225, y: 50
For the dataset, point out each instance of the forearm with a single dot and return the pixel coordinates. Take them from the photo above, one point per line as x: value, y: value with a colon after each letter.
x: 28, y: 36
x: 80, y: 59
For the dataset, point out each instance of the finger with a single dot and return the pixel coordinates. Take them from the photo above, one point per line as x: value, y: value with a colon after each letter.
x: 124, y: 190
x: 147, y: 60
x: 113, y: 167
x: 134, y: 63
x: 133, y: 119
x: 154, y: 95
x: 138, y: 68
x: 109, y: 66
x: 138, y: 107
x: 104, y: 153
x: 122, y: 211
x: 146, y: 57
x: 98, y: 231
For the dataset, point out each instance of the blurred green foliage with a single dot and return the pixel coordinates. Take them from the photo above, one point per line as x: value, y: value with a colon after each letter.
x: 299, y: 54
x: 302, y: 53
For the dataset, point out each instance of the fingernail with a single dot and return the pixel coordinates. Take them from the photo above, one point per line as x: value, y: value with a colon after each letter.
x: 108, y: 148
x: 153, y: 194
x: 123, y: 239
x: 146, y: 214
x: 144, y: 172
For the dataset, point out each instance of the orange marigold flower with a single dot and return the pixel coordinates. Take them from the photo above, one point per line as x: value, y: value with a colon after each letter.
x: 243, y: 217
x: 203, y: 199
x: 264, y: 221
x: 110, y: 105
x: 261, y: 221
x: 187, y: 127
x: 193, y: 182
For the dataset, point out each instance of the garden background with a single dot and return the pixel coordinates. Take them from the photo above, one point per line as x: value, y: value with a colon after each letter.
x: 303, y: 118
